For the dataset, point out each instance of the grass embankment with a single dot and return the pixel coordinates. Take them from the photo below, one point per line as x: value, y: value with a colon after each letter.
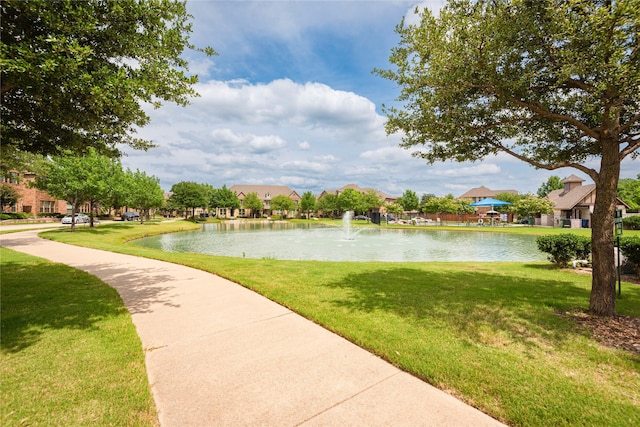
x: 492, y: 334
x: 70, y: 353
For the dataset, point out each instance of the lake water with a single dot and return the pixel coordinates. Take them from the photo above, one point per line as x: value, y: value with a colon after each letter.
x: 289, y: 241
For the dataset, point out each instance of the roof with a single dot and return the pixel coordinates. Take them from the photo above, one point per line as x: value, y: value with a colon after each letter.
x: 265, y: 191
x: 483, y: 191
x: 566, y: 200
x: 572, y: 178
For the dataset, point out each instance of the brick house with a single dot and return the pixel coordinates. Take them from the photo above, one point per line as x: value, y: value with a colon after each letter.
x: 265, y: 193
x: 32, y: 201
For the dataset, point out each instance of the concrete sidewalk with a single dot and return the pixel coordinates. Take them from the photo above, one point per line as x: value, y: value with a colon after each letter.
x: 218, y: 354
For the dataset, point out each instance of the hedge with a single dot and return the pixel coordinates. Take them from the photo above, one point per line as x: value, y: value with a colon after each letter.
x: 562, y: 248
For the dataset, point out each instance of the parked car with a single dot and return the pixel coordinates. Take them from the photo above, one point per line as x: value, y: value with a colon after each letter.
x: 361, y: 217
x: 80, y: 219
x: 130, y: 216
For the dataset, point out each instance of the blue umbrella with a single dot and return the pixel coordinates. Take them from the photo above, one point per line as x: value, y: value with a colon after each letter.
x: 490, y: 202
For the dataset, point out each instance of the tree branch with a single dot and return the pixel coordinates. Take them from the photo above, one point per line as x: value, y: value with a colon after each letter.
x: 557, y: 117
x: 630, y: 123
x: 630, y: 149
x: 591, y: 172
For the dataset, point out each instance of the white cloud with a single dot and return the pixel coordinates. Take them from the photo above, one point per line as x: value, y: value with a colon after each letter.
x: 291, y: 100
x: 469, y: 171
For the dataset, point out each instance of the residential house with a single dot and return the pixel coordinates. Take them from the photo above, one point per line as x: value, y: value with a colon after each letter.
x: 574, y: 204
x: 33, y: 201
x: 480, y: 193
x: 266, y: 193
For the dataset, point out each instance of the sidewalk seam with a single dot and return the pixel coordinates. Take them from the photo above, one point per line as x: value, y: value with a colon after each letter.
x: 350, y: 397
x: 221, y: 331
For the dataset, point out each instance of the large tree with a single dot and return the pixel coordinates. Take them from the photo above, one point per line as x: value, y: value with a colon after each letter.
x: 283, y: 204
x: 8, y: 196
x: 409, y: 201
x: 371, y: 201
x: 308, y: 202
x: 349, y: 200
x: 530, y: 206
x: 553, y: 83
x: 328, y: 204
x: 90, y: 178
x: 75, y: 73
x: 64, y: 177
x: 252, y: 201
x: 223, y: 197
x: 145, y: 192
x: 189, y: 195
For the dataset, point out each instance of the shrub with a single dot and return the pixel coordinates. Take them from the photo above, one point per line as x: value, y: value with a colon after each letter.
x: 630, y: 248
x: 563, y: 248
x: 14, y: 215
x: 631, y: 222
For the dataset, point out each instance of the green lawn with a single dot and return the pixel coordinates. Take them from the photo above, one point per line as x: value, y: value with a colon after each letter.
x: 493, y: 334
x: 70, y: 355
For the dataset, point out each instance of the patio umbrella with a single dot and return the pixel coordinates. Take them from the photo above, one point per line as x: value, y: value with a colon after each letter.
x: 490, y: 202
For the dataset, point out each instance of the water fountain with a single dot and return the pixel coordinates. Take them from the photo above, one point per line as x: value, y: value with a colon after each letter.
x: 347, y: 231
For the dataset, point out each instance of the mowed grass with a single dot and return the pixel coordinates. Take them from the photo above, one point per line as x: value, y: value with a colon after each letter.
x: 492, y: 334
x: 69, y: 354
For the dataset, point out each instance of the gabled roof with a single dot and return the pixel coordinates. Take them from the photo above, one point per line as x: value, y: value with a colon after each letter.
x: 572, y: 178
x: 566, y: 200
x: 265, y: 191
x: 483, y: 191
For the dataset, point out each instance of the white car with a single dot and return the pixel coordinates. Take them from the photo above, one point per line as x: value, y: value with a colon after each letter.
x: 80, y: 219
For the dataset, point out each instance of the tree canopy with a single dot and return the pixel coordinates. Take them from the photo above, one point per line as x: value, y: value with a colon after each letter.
x: 8, y: 196
x: 189, y: 195
x: 144, y: 192
x: 550, y: 82
x: 283, y: 204
x: 252, y: 201
x: 409, y: 201
x: 78, y: 179
x: 223, y: 197
x: 76, y: 73
x: 350, y: 200
x: 308, y: 202
x: 530, y: 205
x: 553, y: 183
x: 328, y: 204
x: 629, y: 191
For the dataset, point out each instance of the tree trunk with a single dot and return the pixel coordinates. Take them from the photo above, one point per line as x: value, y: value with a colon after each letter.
x: 603, y: 282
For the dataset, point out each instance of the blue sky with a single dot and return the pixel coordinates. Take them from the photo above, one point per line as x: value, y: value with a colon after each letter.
x: 291, y: 100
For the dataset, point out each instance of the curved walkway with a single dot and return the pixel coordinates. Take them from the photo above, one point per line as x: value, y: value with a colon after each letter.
x: 219, y: 354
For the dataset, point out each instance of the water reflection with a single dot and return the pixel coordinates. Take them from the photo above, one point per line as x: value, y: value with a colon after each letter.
x: 290, y: 241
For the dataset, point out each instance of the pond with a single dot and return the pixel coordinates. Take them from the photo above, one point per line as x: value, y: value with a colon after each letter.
x: 290, y: 241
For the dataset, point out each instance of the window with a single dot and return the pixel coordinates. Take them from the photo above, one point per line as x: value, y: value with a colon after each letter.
x: 223, y: 212
x: 242, y: 213
x: 13, y: 177
x: 47, y: 206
